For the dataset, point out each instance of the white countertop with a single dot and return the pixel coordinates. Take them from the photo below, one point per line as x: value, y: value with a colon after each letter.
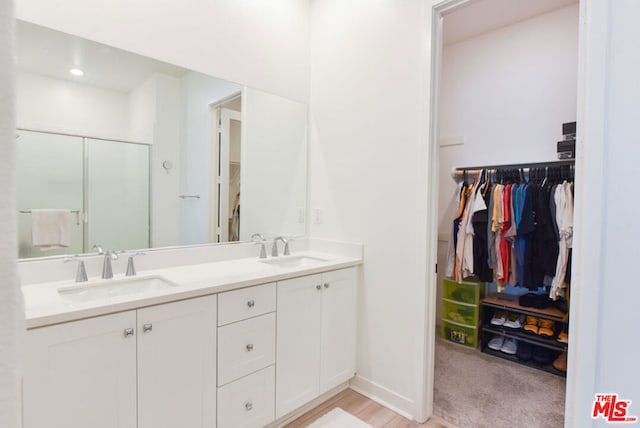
x: 44, y: 305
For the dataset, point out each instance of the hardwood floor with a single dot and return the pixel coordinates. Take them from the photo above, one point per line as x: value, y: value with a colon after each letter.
x: 365, y: 409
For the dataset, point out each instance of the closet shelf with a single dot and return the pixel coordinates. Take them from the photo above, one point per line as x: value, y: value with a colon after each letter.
x: 544, y: 367
x: 520, y: 335
x: 510, y: 302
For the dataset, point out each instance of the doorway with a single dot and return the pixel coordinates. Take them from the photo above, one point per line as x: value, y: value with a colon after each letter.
x: 226, y: 169
x: 443, y: 144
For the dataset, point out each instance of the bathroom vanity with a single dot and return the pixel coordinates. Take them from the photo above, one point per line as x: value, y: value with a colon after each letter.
x: 235, y: 343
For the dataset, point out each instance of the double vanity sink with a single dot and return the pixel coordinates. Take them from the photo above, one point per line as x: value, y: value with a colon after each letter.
x: 135, y: 285
x: 62, y: 301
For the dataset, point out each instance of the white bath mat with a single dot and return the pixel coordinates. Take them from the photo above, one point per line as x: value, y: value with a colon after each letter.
x: 338, y: 418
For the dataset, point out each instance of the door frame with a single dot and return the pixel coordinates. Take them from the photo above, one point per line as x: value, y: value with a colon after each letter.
x: 215, y: 118
x: 580, y: 381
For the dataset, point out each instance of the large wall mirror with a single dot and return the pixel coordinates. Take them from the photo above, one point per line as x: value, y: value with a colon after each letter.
x: 130, y: 153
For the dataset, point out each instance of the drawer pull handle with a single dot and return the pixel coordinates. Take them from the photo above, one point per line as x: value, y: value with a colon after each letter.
x: 146, y: 328
x: 251, y: 303
x: 327, y: 285
x: 128, y: 332
x: 250, y: 347
x: 318, y: 287
x: 248, y: 405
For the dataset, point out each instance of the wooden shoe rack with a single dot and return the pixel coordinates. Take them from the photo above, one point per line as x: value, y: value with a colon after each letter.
x: 509, y: 303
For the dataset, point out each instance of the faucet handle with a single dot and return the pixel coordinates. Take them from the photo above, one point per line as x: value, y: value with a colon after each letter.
x: 258, y: 238
x: 81, y: 273
x: 263, y: 251
x: 99, y: 249
x: 287, y: 252
x: 131, y: 269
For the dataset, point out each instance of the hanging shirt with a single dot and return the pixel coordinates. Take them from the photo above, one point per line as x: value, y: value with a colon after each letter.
x: 462, y: 234
x: 505, y: 246
x: 496, y: 224
x: 451, y: 247
x: 480, y: 221
x: 491, y: 236
x: 564, y: 217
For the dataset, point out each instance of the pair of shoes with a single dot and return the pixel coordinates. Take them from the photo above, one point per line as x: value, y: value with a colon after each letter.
x: 563, y: 337
x: 539, y: 326
x: 560, y: 363
x: 514, y: 320
x: 511, y: 320
x: 499, y: 318
x: 542, y: 355
x: 525, y: 351
x: 506, y: 345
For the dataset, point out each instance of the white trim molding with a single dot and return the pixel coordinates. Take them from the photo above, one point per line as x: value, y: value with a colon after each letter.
x: 383, y: 396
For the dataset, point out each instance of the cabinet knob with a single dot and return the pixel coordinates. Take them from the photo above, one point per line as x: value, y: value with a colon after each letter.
x: 250, y: 347
x: 318, y: 287
x: 146, y: 328
x: 326, y: 285
x: 248, y: 405
x: 251, y: 303
x: 128, y: 332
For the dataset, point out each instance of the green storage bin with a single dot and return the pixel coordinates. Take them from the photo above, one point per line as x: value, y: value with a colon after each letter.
x: 463, y: 292
x: 460, y: 313
x: 460, y: 334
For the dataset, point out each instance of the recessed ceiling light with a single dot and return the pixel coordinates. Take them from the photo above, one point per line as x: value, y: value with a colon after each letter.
x: 76, y: 72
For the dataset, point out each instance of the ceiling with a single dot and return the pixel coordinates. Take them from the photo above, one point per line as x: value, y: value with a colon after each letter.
x: 482, y: 16
x: 52, y: 53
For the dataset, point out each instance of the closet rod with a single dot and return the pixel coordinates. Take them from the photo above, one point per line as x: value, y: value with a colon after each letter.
x: 457, y: 172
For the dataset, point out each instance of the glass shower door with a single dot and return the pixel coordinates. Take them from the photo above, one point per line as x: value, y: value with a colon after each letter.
x: 49, y: 176
x: 118, y: 195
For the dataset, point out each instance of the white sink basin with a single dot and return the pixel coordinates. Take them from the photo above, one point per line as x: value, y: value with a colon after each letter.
x: 107, y: 288
x: 295, y: 261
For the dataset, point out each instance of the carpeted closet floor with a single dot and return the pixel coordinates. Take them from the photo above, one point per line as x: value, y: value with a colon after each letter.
x: 475, y: 390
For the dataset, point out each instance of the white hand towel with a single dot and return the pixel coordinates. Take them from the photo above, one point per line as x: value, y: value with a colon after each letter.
x: 50, y: 229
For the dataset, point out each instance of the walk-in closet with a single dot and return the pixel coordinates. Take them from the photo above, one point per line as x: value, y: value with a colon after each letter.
x: 507, y: 100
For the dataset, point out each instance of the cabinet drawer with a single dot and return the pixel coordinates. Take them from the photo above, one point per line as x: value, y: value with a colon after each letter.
x: 464, y: 292
x: 246, y: 303
x: 245, y: 347
x: 458, y: 333
x: 248, y: 402
x: 460, y: 313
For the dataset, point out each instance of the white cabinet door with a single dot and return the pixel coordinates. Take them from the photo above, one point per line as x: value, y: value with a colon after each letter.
x: 298, y: 342
x: 338, y: 339
x: 177, y: 364
x: 81, y: 374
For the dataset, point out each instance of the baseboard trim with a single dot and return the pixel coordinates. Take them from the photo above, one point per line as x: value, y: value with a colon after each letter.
x: 290, y: 417
x: 383, y: 396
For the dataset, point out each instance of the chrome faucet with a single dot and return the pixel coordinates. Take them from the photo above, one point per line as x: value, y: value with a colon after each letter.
x: 274, y: 248
x: 81, y: 273
x: 259, y: 239
x: 107, y: 270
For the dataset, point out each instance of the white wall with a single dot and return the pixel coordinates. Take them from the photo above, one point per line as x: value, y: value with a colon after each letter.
x: 274, y: 165
x: 59, y: 105
x: 142, y: 111
x: 367, y: 173
x: 10, y: 305
x: 198, y: 92
x: 507, y: 93
x: 252, y: 42
x: 165, y: 185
